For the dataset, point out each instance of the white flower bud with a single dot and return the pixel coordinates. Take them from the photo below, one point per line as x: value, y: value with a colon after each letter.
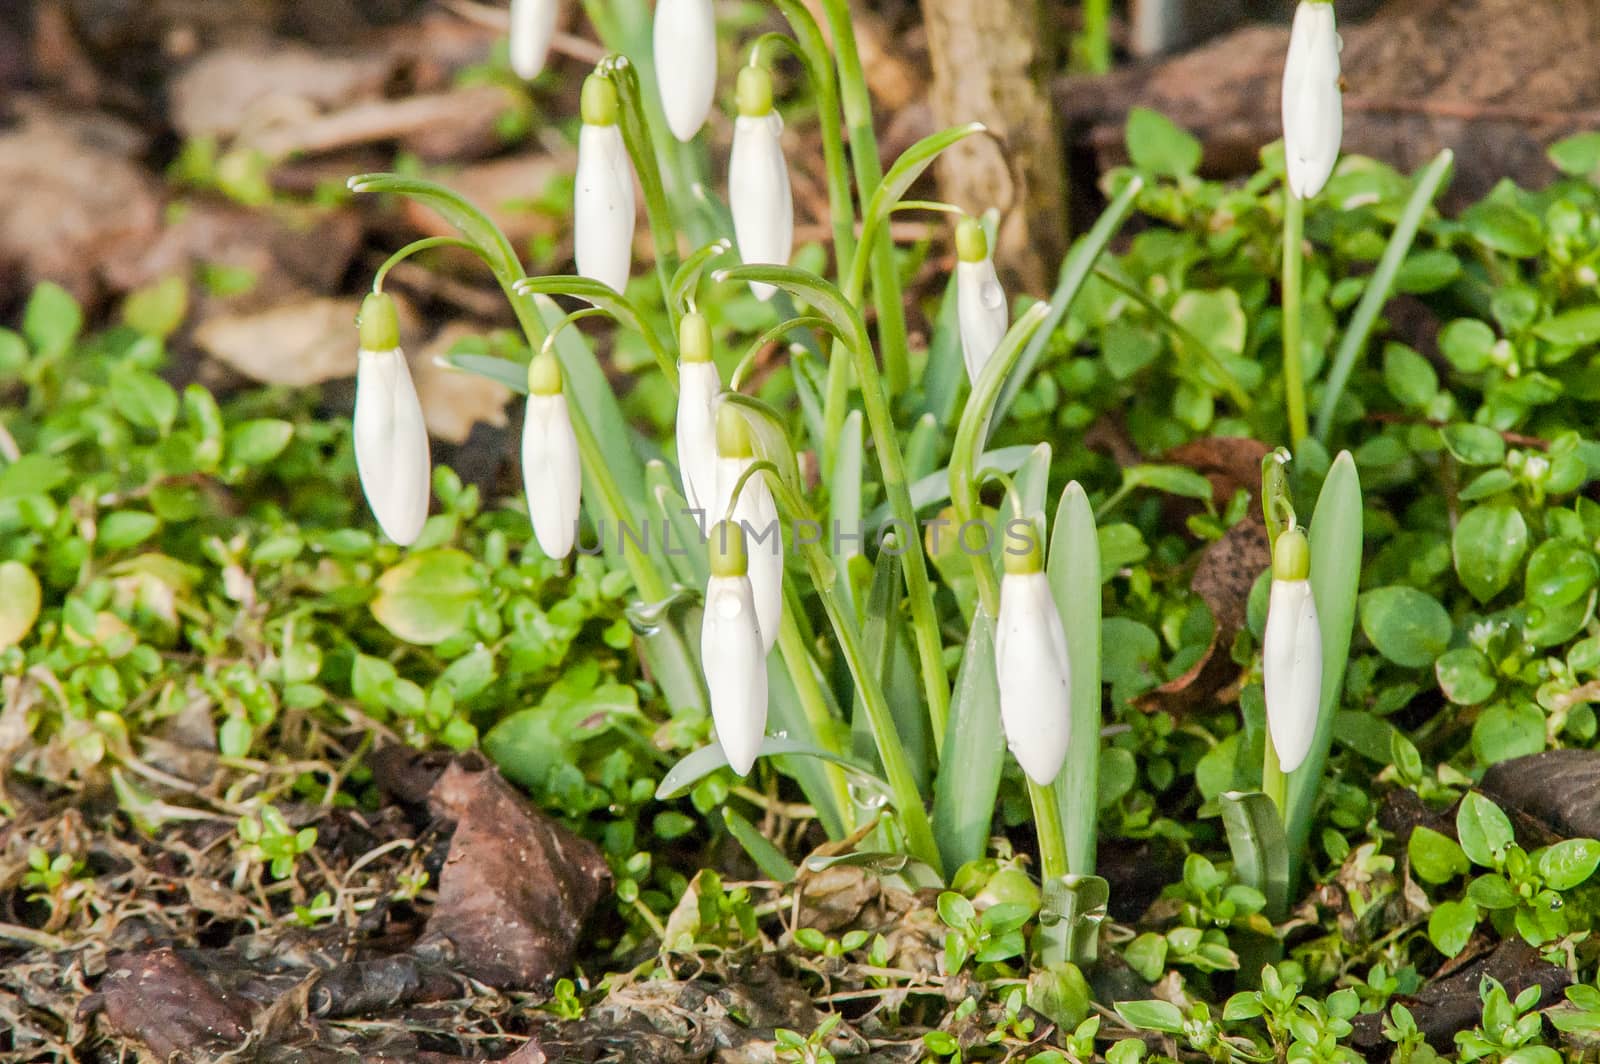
x: 1313, y: 106
x: 391, y: 438
x: 698, y: 387
x: 552, y: 475
x: 686, y: 63
x: 755, y: 514
x: 980, y: 301
x: 533, y: 27
x: 1030, y: 647
x: 758, y: 180
x: 603, y: 204
x: 732, y: 652
x: 1291, y: 654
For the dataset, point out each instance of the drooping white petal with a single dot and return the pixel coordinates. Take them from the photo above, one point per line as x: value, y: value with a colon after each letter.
x: 391, y: 443
x: 533, y: 27
x: 1291, y: 664
x: 759, y: 195
x: 1313, y: 106
x: 735, y: 662
x: 686, y: 63
x: 698, y: 386
x: 1031, y: 663
x: 981, y: 312
x: 551, y: 473
x: 757, y: 514
x: 603, y: 206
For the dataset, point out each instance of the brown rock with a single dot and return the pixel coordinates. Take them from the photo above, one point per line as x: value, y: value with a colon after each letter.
x: 299, y: 343
x: 516, y: 887
x: 231, y: 88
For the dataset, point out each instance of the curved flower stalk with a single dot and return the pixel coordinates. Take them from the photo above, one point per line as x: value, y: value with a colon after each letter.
x: 733, y: 650
x: 1291, y: 655
x: 552, y: 475
x: 698, y: 386
x: 1313, y: 107
x: 603, y: 205
x: 1030, y: 649
x: 981, y: 308
x: 686, y: 63
x: 754, y: 511
x: 758, y: 179
x: 533, y: 27
x: 391, y: 438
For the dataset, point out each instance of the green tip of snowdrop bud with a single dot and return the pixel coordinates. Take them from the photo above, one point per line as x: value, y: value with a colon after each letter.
x: 1034, y: 674
x: 1291, y: 652
x: 972, y: 243
x: 753, y: 92
x: 1313, y: 104
x: 694, y: 338
x: 1291, y: 556
x: 729, y: 556
x: 379, y: 323
x: 544, y: 374
x: 1023, y: 553
x: 599, y: 105
x: 733, y: 434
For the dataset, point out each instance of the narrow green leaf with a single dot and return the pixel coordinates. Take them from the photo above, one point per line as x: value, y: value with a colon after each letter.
x: 607, y: 299
x: 767, y: 857
x: 964, y: 792
x: 934, y: 488
x: 472, y: 223
x: 1260, y: 851
x: 708, y: 759
x: 1073, y: 569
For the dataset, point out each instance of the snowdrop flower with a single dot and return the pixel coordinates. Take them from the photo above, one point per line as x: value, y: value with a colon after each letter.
x: 980, y: 301
x: 1291, y: 652
x: 686, y: 63
x: 533, y: 26
x: 758, y: 179
x: 732, y: 650
x: 1313, y: 109
x: 756, y: 515
x: 603, y: 211
x: 1030, y: 648
x: 390, y: 436
x: 551, y: 474
x: 698, y: 386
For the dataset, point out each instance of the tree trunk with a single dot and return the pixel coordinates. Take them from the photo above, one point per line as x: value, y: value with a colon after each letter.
x: 992, y: 61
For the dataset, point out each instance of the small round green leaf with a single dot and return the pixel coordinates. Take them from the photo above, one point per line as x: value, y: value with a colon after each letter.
x: 1408, y: 626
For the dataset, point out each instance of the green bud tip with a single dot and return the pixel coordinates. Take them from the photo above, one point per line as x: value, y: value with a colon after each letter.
x: 1291, y: 556
x: 733, y: 433
x: 1023, y: 550
x: 379, y: 323
x: 598, y: 104
x: 753, y: 91
x: 972, y: 243
x: 544, y: 375
x: 728, y: 554
x: 694, y: 338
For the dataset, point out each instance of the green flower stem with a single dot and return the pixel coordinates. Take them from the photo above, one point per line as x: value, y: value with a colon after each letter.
x: 813, y: 49
x: 1096, y: 37
x: 1273, y: 781
x: 425, y: 244
x: 1294, y: 384
x: 797, y: 658
x: 891, y: 752
x: 1052, y: 833
x: 857, y: 105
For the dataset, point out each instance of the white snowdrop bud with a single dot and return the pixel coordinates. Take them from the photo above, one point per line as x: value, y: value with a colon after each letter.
x: 552, y: 475
x: 758, y: 179
x: 732, y: 651
x: 1030, y: 647
x: 533, y: 27
x: 1313, y: 105
x: 980, y: 301
x: 698, y: 387
x: 603, y: 205
x: 391, y: 438
x: 1291, y: 652
x: 686, y: 63
x: 756, y: 515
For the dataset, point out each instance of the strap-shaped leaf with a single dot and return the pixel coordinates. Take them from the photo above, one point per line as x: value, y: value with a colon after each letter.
x: 1260, y: 852
x: 1070, y: 914
x: 706, y: 760
x: 969, y: 777
x: 1074, y: 572
x: 767, y: 857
